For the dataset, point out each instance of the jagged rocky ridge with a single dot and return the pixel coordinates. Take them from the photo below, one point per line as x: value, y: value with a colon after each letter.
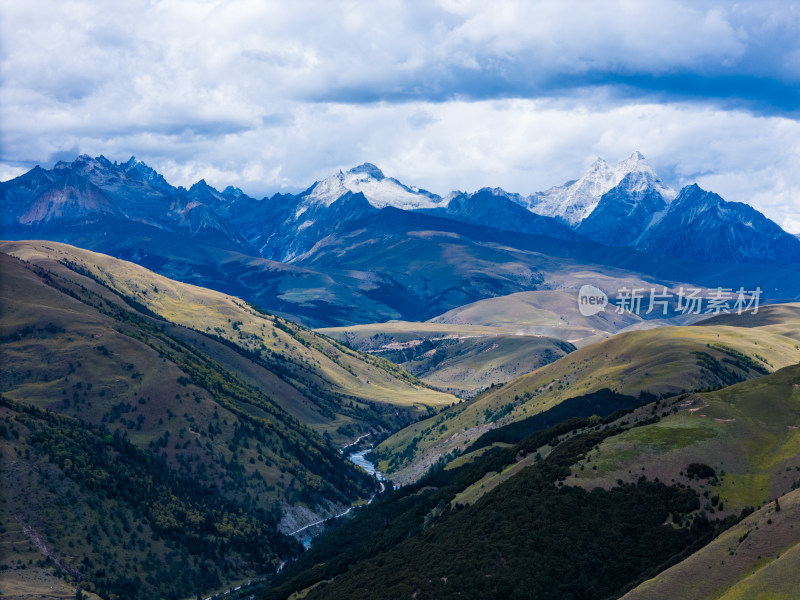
x: 615, y: 205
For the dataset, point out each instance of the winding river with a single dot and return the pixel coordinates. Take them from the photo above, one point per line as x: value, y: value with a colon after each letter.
x: 359, y: 458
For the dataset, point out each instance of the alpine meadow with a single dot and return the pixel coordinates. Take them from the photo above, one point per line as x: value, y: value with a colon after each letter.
x: 455, y: 300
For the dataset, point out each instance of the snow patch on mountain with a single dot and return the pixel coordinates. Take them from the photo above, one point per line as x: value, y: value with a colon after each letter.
x: 379, y: 190
x: 576, y: 200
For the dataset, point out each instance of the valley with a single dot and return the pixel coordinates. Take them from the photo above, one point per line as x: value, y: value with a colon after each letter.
x: 461, y: 359
x: 731, y: 517
x: 221, y: 399
x: 660, y: 362
x: 387, y: 300
x: 328, y: 392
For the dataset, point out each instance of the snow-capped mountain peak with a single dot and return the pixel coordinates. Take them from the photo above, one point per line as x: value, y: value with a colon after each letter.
x: 575, y: 201
x: 379, y: 190
x: 600, y: 165
x: 86, y: 165
x: 103, y: 172
x: 633, y: 161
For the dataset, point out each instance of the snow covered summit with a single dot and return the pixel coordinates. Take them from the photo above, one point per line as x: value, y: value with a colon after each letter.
x: 576, y: 200
x: 379, y: 190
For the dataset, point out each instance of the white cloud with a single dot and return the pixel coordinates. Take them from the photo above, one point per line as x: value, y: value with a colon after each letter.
x: 271, y: 95
x: 584, y: 36
x: 11, y: 171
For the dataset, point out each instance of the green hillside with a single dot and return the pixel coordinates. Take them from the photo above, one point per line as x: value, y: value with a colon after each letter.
x: 749, y: 434
x: 461, y: 359
x: 535, y: 518
x: 757, y: 559
x: 85, y: 505
x: 231, y: 417
x: 318, y: 381
x: 85, y: 353
x: 154, y: 433
x: 664, y: 361
x: 530, y: 537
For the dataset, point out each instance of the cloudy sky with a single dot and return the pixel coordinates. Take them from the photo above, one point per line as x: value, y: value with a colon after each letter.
x: 445, y: 95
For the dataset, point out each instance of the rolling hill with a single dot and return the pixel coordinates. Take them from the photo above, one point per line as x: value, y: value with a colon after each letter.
x: 227, y: 418
x: 83, y: 352
x: 554, y: 313
x: 664, y: 361
x: 536, y: 519
x: 748, y: 433
x: 461, y: 359
x: 309, y: 375
x: 757, y: 558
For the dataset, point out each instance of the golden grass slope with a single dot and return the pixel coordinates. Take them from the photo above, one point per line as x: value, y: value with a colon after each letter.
x: 661, y: 361
x: 348, y: 373
x: 548, y: 312
x: 462, y: 359
x: 65, y: 351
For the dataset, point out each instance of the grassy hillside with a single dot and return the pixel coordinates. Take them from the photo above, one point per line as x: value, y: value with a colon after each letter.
x: 240, y: 409
x: 85, y: 353
x: 461, y: 359
x: 531, y: 536
x: 313, y: 297
x: 83, y: 506
x: 541, y: 312
x: 782, y: 318
x: 663, y: 361
x: 320, y: 382
x: 749, y: 434
x: 435, y: 265
x: 534, y: 519
x: 759, y: 558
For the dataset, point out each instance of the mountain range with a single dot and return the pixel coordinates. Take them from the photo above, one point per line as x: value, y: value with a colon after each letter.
x: 620, y: 205
x: 176, y: 420
x: 360, y: 247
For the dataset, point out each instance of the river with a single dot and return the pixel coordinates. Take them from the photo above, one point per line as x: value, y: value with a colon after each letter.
x: 359, y: 458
